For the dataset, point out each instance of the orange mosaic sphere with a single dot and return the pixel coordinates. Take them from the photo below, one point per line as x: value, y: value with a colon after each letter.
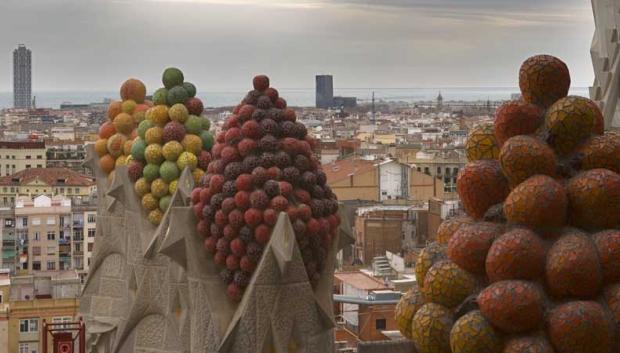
x: 540, y: 201
x: 472, y: 333
x: 528, y: 344
x: 601, y: 152
x: 406, y: 308
x: 594, y: 199
x: 580, y: 327
x: 107, y: 163
x: 573, y: 268
x: 133, y: 89
x: 516, y: 118
x: 543, y: 80
x: 481, y: 143
x: 524, y: 156
x: 431, y: 329
x: 470, y: 244
x: 429, y: 256
x: 481, y: 185
x: 448, y: 227
x: 608, y: 246
x: 569, y: 122
x: 447, y: 284
x: 115, y: 108
x: 512, y: 306
x: 612, y: 299
x: 517, y: 254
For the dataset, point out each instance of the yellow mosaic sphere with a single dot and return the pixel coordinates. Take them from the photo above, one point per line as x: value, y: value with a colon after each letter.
x: 178, y: 112
x: 192, y: 143
x: 154, y: 135
x: 172, y: 150
x: 121, y: 160
x: 431, y: 329
x: 128, y: 106
x: 447, y: 284
x: 187, y: 159
x: 406, y: 308
x: 142, y: 187
x: 159, y: 188
x: 472, y: 333
x: 158, y: 115
x: 155, y: 216
x: 429, y: 256
x: 569, y: 122
x: 101, y: 147
x: 172, y: 187
x: 481, y: 143
x: 149, y: 202
x: 198, y: 174
x: 153, y: 154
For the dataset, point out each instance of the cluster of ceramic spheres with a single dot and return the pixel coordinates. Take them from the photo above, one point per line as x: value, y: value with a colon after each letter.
x: 263, y: 164
x: 534, y: 267
x: 156, y: 139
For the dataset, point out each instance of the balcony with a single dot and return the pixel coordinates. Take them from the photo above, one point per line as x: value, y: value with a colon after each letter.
x: 78, y: 224
x: 64, y: 240
x: 78, y: 252
x: 78, y: 238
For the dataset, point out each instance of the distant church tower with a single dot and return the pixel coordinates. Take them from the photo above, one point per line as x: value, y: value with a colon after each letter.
x: 439, y: 101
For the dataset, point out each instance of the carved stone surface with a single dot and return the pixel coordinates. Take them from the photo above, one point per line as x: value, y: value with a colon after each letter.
x: 605, y: 53
x: 155, y: 289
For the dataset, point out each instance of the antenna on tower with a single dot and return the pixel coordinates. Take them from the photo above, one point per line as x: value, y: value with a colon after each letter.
x: 373, y: 107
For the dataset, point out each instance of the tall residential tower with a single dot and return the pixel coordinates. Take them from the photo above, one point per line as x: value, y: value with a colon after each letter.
x: 324, y: 91
x: 22, y: 77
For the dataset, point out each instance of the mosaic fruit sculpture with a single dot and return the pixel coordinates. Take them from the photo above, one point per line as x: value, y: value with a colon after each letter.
x: 116, y: 133
x: 481, y: 143
x: 173, y: 136
x: 534, y: 267
x: 263, y: 164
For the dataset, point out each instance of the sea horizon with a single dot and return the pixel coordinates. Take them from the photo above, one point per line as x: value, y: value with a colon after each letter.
x: 299, y: 97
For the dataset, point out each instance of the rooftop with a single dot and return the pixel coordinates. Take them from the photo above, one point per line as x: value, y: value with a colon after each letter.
x: 49, y: 176
x: 360, y: 280
x: 344, y: 168
x: 20, y: 145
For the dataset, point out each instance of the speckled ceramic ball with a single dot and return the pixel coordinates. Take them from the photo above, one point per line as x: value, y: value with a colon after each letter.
x: 540, y: 201
x: 159, y: 188
x: 516, y: 118
x: 481, y: 185
x: 187, y: 159
x: 569, y: 122
x: 406, y: 308
x: 192, y: 143
x: 580, y: 327
x: 172, y: 150
x: 470, y: 244
x: 601, y: 152
x: 169, y: 171
x: 524, y: 156
x: 155, y: 216
x: 142, y: 187
x: 472, y: 333
x: 448, y: 227
x: 517, y: 254
x: 528, y: 344
x: 481, y: 143
x: 594, y: 199
x: 153, y: 154
x: 431, y: 329
x: 447, y: 284
x: 429, y: 256
x: 150, y: 202
x: 543, y: 80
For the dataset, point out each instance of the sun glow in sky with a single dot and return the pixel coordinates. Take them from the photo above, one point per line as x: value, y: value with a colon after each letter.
x: 95, y: 44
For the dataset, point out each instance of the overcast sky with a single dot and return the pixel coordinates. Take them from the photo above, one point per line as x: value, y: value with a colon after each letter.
x: 221, y: 44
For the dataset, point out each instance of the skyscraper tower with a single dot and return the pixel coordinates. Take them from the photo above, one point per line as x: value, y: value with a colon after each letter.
x: 22, y: 77
x: 324, y: 91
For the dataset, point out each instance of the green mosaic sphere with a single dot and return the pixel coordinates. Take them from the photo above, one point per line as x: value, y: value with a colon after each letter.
x: 169, y: 171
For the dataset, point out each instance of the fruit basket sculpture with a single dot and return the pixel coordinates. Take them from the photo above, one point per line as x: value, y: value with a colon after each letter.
x: 534, y: 267
x: 157, y: 286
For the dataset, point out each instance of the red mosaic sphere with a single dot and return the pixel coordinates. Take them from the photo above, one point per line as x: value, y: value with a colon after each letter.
x: 448, y: 227
x: 612, y: 299
x: 481, y: 185
x: 573, y: 268
x: 524, y: 156
x: 580, y: 327
x: 512, y: 306
x: 608, y: 245
x: 601, y: 152
x: 470, y: 244
x: 540, y: 201
x: 543, y: 79
x: 594, y: 199
x: 528, y: 344
x: 517, y: 254
x: 516, y: 118
x: 569, y: 122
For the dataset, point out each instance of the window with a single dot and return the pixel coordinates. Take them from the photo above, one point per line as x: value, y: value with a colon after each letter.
x: 380, y: 324
x: 51, y: 265
x: 36, y: 221
x: 5, y: 189
x: 91, y: 218
x: 25, y: 221
x: 36, y: 265
x: 39, y: 165
x: 90, y: 246
x: 23, y: 347
x: 39, y: 156
x: 51, y: 235
x: 51, y: 250
x: 28, y: 157
x: 28, y: 166
x: 78, y: 247
x: 29, y: 325
x: 51, y: 220
x: 438, y: 170
x: 91, y: 232
x: 37, y: 236
x: 36, y: 250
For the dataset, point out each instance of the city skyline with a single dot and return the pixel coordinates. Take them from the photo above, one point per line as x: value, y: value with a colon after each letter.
x: 474, y: 43
x: 22, y: 77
